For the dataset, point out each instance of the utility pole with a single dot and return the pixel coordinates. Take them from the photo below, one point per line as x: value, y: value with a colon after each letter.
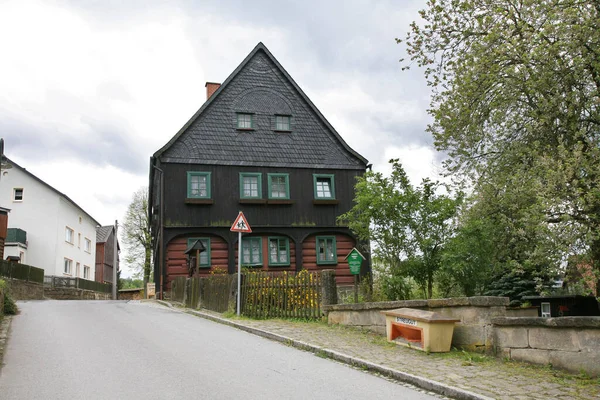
x: 115, y: 262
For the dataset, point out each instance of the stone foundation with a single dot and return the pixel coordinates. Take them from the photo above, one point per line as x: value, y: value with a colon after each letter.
x: 23, y: 290
x: 75, y: 294
x: 571, y: 343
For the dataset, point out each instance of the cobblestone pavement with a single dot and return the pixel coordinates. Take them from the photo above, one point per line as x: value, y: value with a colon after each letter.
x: 478, y: 374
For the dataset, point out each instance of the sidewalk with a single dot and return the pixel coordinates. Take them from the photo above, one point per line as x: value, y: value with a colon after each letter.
x: 456, y: 375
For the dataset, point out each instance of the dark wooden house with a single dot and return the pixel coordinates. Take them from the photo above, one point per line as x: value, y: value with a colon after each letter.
x: 105, y: 253
x: 260, y: 146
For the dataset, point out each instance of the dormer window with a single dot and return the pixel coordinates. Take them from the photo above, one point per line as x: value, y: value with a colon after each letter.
x: 245, y: 121
x: 283, y: 123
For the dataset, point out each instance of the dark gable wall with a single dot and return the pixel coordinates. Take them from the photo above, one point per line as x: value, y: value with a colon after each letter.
x: 225, y: 193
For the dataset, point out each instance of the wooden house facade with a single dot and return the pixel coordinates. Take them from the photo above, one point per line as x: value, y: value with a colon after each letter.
x: 260, y: 146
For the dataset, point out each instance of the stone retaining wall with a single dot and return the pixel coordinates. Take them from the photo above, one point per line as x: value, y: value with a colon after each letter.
x: 23, y: 290
x: 571, y: 343
x: 75, y: 294
x: 474, y: 332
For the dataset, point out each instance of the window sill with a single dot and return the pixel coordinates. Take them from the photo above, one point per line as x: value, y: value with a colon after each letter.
x: 282, y: 130
x: 253, y: 201
x: 245, y: 129
x: 326, y: 263
x: 191, y: 200
x: 273, y: 201
x: 252, y: 266
x: 279, y: 265
x: 326, y: 202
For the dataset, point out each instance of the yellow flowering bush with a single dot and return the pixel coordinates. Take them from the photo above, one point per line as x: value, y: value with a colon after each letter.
x: 284, y: 295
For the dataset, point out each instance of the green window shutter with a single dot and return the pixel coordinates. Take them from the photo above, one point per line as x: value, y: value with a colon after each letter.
x: 250, y: 185
x: 279, y: 186
x: 326, y: 250
x: 324, y: 186
x: 252, y: 252
x: 198, y: 185
x: 279, y: 251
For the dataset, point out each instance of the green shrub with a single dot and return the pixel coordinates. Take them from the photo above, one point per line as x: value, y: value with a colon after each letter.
x: 10, y: 307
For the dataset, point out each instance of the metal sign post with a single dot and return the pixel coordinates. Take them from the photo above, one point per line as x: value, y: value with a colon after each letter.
x: 240, y: 225
x: 239, y: 282
x: 355, y: 260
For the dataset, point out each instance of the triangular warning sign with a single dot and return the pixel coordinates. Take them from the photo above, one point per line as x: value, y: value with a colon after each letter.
x: 241, y: 224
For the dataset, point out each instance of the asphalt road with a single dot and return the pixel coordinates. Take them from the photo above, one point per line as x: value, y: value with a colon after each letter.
x: 119, y: 350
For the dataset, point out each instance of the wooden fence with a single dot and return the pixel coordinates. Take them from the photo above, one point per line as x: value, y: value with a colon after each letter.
x: 263, y: 294
x: 281, y: 294
x: 218, y: 292
x: 21, y: 271
x: 76, y: 283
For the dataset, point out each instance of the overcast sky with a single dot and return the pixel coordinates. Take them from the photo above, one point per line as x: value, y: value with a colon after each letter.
x: 89, y: 90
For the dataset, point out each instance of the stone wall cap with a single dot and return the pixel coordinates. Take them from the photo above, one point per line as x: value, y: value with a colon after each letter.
x: 379, y: 305
x: 558, y: 322
x: 476, y: 301
x: 420, y: 315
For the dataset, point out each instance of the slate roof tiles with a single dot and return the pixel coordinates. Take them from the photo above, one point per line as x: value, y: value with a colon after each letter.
x: 262, y: 87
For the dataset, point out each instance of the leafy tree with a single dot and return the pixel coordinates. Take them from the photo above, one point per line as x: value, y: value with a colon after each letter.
x: 135, y: 234
x: 408, y: 225
x: 131, y: 283
x: 516, y: 106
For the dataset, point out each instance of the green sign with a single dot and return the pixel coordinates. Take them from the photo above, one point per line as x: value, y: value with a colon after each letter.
x: 355, y: 260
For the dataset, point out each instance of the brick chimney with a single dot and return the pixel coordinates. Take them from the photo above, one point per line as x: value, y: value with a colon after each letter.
x: 211, y: 87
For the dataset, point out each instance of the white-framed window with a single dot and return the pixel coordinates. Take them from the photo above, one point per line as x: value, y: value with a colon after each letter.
x: 198, y: 185
x: 86, y: 272
x: 69, y: 234
x: 250, y: 185
x: 79, y: 240
x: 88, y: 245
x: 18, y: 194
x: 68, y: 267
x: 324, y: 186
x: 77, y: 270
x: 22, y: 257
x: 282, y: 123
x: 245, y: 121
x: 546, y: 313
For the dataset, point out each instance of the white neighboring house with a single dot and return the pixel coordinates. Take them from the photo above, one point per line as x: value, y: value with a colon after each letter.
x: 61, y: 236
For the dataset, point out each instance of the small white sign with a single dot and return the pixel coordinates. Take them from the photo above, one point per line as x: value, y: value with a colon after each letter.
x: 406, y: 321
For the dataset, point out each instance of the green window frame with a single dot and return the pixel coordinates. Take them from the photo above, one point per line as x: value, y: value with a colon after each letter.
x: 324, y: 186
x: 326, y: 250
x: 198, y: 185
x: 279, y: 186
x: 279, y: 251
x: 250, y: 185
x: 245, y: 121
x: 283, y: 123
x: 252, y: 252
x: 203, y: 261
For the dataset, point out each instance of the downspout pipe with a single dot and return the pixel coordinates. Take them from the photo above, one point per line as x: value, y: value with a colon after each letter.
x: 160, y: 229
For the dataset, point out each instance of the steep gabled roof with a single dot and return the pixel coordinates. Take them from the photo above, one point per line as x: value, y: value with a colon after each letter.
x: 210, y: 137
x: 14, y: 164
x: 103, y: 233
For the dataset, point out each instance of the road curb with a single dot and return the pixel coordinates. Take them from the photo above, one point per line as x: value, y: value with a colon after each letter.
x: 423, y: 383
x: 4, y: 327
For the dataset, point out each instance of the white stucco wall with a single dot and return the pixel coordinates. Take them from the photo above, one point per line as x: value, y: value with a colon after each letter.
x: 86, y: 229
x: 17, y: 250
x: 44, y: 215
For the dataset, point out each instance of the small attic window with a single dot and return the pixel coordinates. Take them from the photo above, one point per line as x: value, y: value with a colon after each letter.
x: 18, y: 194
x: 245, y: 121
x: 283, y: 123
